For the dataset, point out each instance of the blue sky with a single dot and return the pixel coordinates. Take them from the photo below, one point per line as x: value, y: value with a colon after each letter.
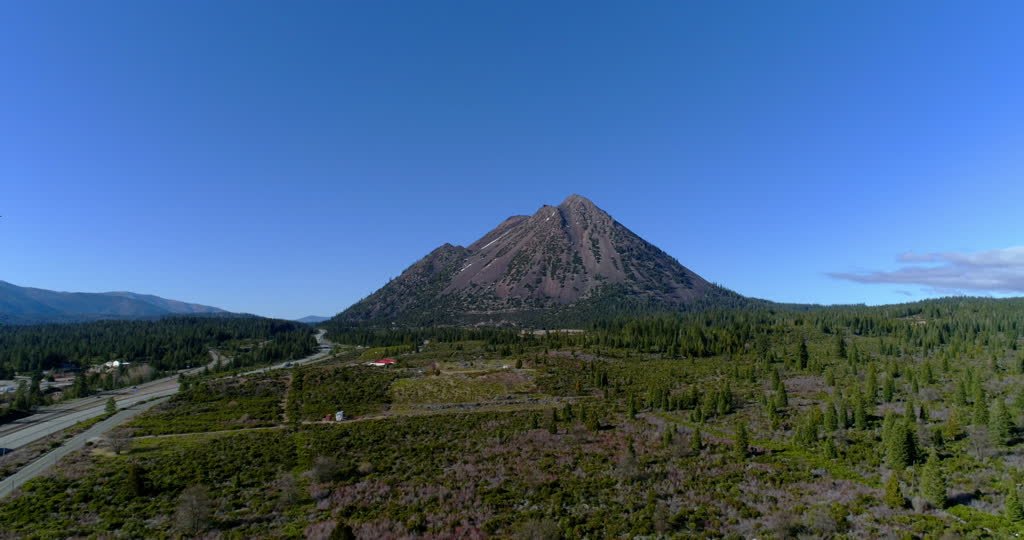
x: 287, y: 158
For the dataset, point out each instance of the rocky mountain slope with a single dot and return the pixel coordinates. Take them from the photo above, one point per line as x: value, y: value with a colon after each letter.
x: 561, y: 265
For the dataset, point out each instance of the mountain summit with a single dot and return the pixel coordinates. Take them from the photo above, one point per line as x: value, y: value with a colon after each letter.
x: 564, y: 264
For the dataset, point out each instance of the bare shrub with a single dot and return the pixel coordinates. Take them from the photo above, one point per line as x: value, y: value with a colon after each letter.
x: 193, y: 511
x: 325, y: 469
x: 287, y: 489
x: 119, y: 440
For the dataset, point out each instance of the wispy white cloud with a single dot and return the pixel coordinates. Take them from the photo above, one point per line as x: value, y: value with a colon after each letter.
x: 999, y: 270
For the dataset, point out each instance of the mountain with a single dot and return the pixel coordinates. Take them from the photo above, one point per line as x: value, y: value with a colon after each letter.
x: 565, y: 264
x: 27, y: 305
x: 312, y: 319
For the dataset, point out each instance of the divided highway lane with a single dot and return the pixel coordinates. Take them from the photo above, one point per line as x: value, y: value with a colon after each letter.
x: 52, y: 419
x: 39, y: 466
x: 324, y: 351
x: 49, y: 420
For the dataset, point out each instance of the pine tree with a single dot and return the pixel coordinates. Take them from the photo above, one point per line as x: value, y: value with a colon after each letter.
x: 900, y: 443
x: 1012, y: 508
x: 1000, y: 423
x: 893, y: 495
x: 136, y: 481
x: 980, y: 415
x: 742, y: 443
x: 840, y: 346
x: 781, y: 397
x: 111, y: 406
x: 22, y: 399
x: 951, y: 429
x: 831, y: 452
x: 860, y: 414
x: 831, y: 417
x: 696, y: 442
x: 960, y: 396
x: 871, y: 384
x: 805, y: 356
x: 888, y: 389
x: 842, y: 415
x: 933, y: 482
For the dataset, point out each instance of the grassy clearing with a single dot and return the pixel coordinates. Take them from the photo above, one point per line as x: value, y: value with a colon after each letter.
x: 463, y: 387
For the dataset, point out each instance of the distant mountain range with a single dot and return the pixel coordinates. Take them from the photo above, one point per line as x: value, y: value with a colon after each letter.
x: 27, y: 305
x: 312, y: 319
x: 563, y: 265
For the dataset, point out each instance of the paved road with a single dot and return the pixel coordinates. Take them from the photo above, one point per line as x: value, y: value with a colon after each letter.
x: 52, y: 419
x: 37, y: 467
x: 323, y: 352
x: 55, y: 418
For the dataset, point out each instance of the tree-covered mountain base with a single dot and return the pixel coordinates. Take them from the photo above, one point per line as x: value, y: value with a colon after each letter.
x: 843, y: 423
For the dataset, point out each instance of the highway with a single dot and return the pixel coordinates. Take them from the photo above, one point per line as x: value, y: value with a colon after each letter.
x: 323, y: 352
x: 39, y: 466
x: 54, y: 418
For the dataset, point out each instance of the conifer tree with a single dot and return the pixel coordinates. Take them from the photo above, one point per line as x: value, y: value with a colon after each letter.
x: 960, y: 396
x: 893, y: 495
x: 871, y: 384
x: 831, y: 451
x: 900, y: 443
x: 831, y: 420
x: 696, y: 442
x: 1000, y: 423
x: 888, y: 389
x: 842, y: 415
x: 933, y: 482
x: 951, y: 429
x: 1012, y: 508
x: 742, y: 442
x: 980, y: 415
x: 781, y: 397
x: 860, y: 414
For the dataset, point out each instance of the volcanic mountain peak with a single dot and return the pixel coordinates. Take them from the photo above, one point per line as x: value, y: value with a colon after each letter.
x: 562, y: 257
